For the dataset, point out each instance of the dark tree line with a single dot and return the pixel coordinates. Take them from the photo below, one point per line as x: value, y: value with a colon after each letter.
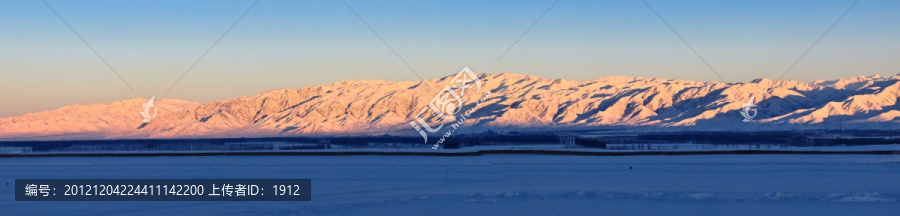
x: 789, y: 138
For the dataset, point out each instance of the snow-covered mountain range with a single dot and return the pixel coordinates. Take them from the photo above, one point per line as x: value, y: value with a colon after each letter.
x: 517, y: 103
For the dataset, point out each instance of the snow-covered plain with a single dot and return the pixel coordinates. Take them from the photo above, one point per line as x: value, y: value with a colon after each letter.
x: 498, y: 184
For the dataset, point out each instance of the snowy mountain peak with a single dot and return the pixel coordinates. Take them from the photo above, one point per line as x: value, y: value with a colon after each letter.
x: 517, y: 102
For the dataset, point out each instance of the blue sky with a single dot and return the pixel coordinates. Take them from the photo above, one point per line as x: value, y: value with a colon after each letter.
x: 291, y: 44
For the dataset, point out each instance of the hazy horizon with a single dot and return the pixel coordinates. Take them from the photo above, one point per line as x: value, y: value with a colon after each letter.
x: 288, y: 44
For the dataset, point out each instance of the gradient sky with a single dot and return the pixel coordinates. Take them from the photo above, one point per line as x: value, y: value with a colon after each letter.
x: 291, y: 44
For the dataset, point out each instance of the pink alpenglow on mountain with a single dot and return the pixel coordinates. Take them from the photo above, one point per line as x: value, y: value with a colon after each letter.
x: 518, y: 103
